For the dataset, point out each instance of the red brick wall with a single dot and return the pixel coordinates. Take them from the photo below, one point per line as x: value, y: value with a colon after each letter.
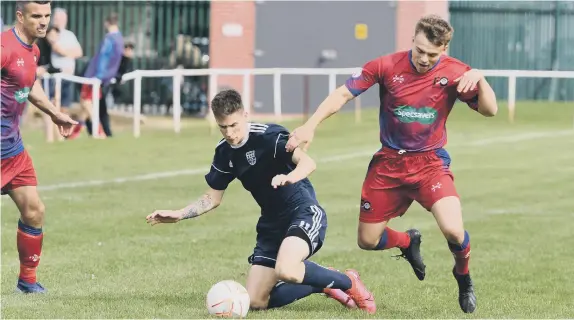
x: 409, y: 12
x: 232, y: 52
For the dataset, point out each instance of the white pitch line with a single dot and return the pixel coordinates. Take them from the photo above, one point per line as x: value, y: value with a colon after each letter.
x: 337, y: 158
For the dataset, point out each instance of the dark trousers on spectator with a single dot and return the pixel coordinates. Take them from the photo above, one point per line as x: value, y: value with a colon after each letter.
x: 104, y: 116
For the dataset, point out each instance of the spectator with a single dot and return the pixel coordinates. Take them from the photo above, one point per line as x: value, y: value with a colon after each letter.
x: 65, y: 50
x: 104, y: 66
x: 126, y: 65
x: 45, y: 66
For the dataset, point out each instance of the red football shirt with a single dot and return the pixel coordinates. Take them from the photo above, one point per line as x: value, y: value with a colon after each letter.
x: 19, y: 62
x: 414, y: 106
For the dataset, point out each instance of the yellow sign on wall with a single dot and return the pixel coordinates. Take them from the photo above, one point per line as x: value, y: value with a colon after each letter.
x: 361, y: 31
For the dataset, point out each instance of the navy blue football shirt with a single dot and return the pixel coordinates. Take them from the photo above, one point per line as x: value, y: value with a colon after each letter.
x: 255, y: 162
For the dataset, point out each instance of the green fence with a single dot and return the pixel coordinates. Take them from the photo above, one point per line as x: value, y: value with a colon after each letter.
x: 165, y: 33
x: 534, y: 35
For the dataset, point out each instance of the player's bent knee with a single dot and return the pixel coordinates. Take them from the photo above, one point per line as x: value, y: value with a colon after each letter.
x: 258, y: 300
x: 287, y: 272
x: 370, y: 234
x: 367, y: 243
x: 33, y: 214
x: 258, y: 304
x: 454, y: 235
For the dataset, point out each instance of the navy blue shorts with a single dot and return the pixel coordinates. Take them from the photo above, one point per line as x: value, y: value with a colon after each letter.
x: 308, y: 222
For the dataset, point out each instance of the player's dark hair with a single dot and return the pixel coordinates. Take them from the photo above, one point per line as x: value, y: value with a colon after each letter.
x: 226, y: 102
x: 112, y: 19
x: 436, y: 29
x: 21, y: 5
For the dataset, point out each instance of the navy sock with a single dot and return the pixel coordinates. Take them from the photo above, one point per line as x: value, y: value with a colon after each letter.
x: 320, y: 277
x: 286, y: 293
x: 393, y: 239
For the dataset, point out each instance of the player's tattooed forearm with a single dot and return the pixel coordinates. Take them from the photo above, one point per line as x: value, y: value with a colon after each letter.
x: 201, y: 206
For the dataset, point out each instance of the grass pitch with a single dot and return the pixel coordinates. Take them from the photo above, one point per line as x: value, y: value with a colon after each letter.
x: 101, y: 260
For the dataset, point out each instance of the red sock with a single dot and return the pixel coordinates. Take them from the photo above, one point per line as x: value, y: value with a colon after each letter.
x: 29, y: 241
x: 461, y: 255
x: 393, y: 239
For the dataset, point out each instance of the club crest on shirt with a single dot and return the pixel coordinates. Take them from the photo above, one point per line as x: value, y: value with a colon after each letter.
x: 250, y: 155
x: 442, y: 81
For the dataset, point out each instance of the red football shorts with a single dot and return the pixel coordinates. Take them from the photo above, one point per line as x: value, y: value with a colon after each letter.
x: 18, y: 171
x: 396, y: 178
x: 86, y: 92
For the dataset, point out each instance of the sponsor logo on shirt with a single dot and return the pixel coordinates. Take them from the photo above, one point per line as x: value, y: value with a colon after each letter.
x: 409, y: 114
x: 22, y: 95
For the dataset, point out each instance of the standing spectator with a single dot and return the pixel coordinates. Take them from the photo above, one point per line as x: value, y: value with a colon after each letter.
x: 126, y: 65
x: 45, y: 66
x: 104, y: 66
x: 65, y: 50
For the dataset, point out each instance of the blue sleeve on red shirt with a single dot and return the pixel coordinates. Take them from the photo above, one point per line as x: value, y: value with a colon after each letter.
x: 104, y: 59
x: 220, y: 175
x: 470, y: 98
x: 370, y: 74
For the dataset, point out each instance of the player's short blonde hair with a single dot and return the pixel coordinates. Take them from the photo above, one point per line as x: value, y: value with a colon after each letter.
x: 436, y: 29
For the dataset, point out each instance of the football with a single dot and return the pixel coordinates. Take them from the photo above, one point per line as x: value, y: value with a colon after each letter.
x: 228, y: 299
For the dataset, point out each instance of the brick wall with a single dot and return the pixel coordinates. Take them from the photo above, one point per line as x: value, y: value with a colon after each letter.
x: 409, y: 12
x: 232, y: 51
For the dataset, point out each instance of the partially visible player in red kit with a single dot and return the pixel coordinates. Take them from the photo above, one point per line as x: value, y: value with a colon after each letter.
x: 417, y: 89
x: 19, y: 62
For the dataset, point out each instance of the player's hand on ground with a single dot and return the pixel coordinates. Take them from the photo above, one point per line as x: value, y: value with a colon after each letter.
x: 468, y: 81
x: 64, y: 123
x: 300, y: 137
x: 164, y: 216
x: 281, y: 180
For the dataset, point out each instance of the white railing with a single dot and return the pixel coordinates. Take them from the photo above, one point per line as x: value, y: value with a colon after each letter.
x: 331, y: 73
x: 96, y: 83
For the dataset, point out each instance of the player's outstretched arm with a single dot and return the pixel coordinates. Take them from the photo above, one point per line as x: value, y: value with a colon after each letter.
x: 331, y: 105
x: 473, y: 80
x: 38, y: 98
x: 487, y: 105
x: 303, y: 135
x: 210, y: 200
x: 305, y: 166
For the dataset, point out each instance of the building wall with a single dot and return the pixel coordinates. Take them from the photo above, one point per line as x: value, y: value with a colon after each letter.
x: 232, y: 39
x: 295, y: 33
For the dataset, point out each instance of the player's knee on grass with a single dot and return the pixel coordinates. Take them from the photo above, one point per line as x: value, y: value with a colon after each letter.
x: 260, y: 282
x: 257, y: 303
x: 369, y: 234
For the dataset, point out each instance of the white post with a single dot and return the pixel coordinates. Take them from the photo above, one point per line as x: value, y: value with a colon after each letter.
x: 96, y: 108
x: 277, y: 94
x: 137, y: 105
x: 58, y: 91
x: 247, y: 91
x: 332, y: 82
x: 213, y: 83
x: 511, y: 97
x: 177, y: 77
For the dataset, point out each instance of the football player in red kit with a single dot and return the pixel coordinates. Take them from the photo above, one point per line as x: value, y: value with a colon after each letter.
x: 19, y: 62
x: 417, y: 90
